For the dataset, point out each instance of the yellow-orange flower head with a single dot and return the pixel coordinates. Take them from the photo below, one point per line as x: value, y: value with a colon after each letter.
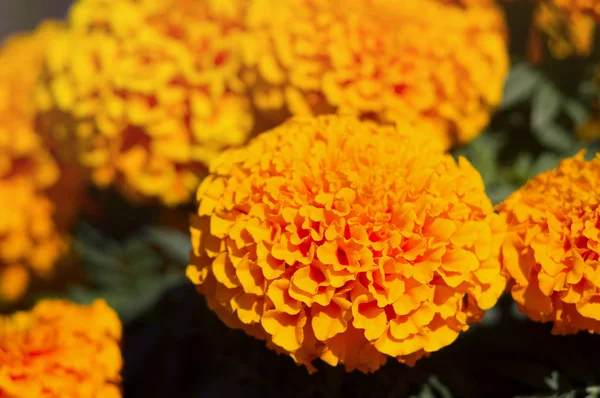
x: 384, y: 60
x: 568, y: 24
x: 60, y: 349
x: 145, y: 93
x: 30, y: 232
x: 552, y: 247
x: 342, y: 240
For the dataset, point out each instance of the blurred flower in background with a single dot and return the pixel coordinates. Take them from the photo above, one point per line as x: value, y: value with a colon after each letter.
x: 387, y: 61
x: 346, y: 238
x: 568, y: 26
x: 60, y: 349
x: 144, y: 94
x: 38, y: 201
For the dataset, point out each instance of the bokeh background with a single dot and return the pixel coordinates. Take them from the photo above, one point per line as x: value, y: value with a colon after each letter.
x: 26, y: 14
x: 175, y: 347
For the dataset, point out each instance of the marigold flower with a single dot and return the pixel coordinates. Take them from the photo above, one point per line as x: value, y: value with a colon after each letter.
x: 568, y: 24
x: 551, y: 250
x: 384, y: 60
x: 145, y: 93
x: 342, y: 240
x: 31, y: 226
x: 60, y: 349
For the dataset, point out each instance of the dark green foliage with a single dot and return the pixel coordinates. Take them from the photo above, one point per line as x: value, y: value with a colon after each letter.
x: 174, y: 346
x: 130, y: 275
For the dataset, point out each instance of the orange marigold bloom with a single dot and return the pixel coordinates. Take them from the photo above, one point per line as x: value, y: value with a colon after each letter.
x: 60, y: 349
x: 568, y: 24
x: 552, y: 247
x: 31, y: 236
x: 145, y: 93
x: 384, y: 60
x: 342, y: 240
x: 587, y: 7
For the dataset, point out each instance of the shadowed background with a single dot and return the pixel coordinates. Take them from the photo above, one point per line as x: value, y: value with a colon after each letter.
x: 178, y: 347
x: 19, y: 15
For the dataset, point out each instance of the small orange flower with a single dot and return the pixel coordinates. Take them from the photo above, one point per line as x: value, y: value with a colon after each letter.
x: 383, y: 60
x: 568, y: 24
x: 60, y: 349
x: 552, y: 247
x: 342, y: 240
x: 144, y: 94
x: 31, y: 226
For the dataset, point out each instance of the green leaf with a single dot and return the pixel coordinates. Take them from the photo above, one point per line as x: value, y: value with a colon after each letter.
x: 482, y: 152
x: 433, y: 388
x: 576, y: 111
x: 546, y: 161
x: 129, y: 302
x: 555, y: 137
x: 130, y: 275
x: 546, y: 105
x: 592, y: 391
x: 175, y: 244
x: 90, y: 253
x: 553, y: 381
x: 519, y: 84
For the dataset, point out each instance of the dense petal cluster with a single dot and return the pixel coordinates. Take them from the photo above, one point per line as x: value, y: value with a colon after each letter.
x: 338, y: 239
x: 30, y: 179
x: 145, y: 93
x: 60, y: 349
x: 383, y: 60
x: 552, y: 247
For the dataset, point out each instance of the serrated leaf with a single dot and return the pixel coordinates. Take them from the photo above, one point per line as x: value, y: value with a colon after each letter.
x: 522, y: 166
x: 439, y: 387
x: 175, y: 244
x: 130, y: 302
x: 546, y: 105
x: 519, y: 85
x: 592, y: 391
x: 93, y: 255
x: 141, y: 299
x: 553, y: 381
x: 555, y: 137
x: 433, y: 388
x: 145, y: 265
x: 576, y: 111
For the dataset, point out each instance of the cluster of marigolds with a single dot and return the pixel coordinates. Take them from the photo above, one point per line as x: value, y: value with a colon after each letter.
x: 345, y: 233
